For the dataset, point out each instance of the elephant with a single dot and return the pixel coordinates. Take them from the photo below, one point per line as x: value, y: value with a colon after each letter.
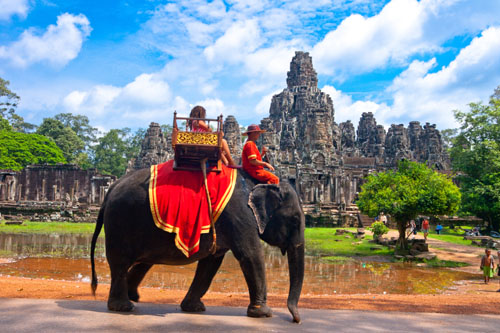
x: 255, y: 212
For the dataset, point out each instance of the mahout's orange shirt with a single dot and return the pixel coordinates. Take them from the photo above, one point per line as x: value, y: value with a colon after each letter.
x: 250, y: 152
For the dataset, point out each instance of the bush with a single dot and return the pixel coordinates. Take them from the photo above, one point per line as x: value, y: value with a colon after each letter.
x: 378, y: 229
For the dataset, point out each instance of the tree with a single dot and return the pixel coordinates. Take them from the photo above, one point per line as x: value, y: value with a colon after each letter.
x: 134, y: 142
x: 8, y: 105
x: 411, y: 190
x: 110, y: 154
x: 80, y: 125
x: 476, y: 157
x: 8, y: 99
x: 17, y: 150
x: 64, y: 137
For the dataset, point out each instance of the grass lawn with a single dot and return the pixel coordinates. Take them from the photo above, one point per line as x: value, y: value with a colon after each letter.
x: 49, y: 228
x: 455, y: 236
x: 324, y: 242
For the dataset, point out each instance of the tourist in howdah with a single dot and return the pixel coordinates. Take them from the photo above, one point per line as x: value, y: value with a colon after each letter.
x: 198, y: 125
x: 487, y: 265
x: 251, y: 158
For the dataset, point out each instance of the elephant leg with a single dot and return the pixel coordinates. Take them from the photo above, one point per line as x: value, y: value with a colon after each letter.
x: 205, y: 272
x: 134, y: 278
x: 253, y: 267
x: 118, y: 293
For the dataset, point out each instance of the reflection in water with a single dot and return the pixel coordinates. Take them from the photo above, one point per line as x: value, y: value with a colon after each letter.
x: 321, y: 278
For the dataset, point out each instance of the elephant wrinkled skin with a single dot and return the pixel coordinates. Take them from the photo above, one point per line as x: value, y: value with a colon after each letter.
x: 134, y: 244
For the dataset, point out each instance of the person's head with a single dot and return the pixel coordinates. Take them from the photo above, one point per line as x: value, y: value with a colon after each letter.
x: 198, y: 112
x: 487, y: 251
x: 253, y: 132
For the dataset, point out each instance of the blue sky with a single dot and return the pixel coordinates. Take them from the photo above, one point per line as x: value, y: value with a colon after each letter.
x: 127, y: 63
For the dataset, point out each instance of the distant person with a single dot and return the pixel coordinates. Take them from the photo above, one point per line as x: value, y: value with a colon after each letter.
x: 383, y: 218
x: 251, y: 158
x: 498, y: 269
x: 425, y: 228
x: 413, y: 229
x: 487, y: 265
x: 439, y: 227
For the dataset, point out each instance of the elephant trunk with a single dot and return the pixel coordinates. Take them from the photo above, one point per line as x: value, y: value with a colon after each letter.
x: 295, y: 256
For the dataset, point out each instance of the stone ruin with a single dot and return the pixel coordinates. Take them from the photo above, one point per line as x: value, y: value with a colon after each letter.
x: 326, y: 162
x: 39, y: 191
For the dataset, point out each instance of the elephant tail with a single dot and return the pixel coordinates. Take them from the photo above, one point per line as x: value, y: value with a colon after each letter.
x: 97, y: 231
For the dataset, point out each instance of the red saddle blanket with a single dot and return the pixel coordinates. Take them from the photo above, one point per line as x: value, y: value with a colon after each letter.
x: 179, y: 202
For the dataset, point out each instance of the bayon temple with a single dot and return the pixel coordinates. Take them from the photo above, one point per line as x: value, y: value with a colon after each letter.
x: 325, y: 161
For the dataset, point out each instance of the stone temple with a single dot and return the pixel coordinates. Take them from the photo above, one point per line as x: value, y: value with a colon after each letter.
x: 323, y: 160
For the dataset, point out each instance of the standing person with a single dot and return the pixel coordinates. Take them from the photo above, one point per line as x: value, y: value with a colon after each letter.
x: 439, y: 227
x: 251, y: 158
x: 383, y: 218
x: 413, y: 228
x: 201, y: 126
x: 487, y: 266
x: 498, y: 269
x: 425, y: 228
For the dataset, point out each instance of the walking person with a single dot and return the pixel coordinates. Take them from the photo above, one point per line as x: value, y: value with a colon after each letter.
x: 425, y: 228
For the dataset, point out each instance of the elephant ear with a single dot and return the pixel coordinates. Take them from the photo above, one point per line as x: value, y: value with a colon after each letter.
x: 264, y: 199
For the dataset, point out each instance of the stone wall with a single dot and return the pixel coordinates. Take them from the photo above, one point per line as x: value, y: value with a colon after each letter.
x: 46, y: 188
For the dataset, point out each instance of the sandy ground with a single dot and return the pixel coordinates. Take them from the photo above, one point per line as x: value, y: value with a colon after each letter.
x: 470, y: 297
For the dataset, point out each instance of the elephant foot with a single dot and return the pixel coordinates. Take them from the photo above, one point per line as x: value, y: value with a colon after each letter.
x: 259, y: 311
x: 120, y: 305
x: 192, y: 306
x: 133, y: 295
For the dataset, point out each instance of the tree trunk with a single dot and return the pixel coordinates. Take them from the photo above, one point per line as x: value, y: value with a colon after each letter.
x: 402, y: 243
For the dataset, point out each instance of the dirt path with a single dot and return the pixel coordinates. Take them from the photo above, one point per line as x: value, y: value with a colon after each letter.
x: 469, y: 297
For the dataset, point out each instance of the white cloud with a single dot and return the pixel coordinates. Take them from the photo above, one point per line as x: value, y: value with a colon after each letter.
x: 263, y: 106
x: 424, y: 95
x: 94, y: 102
x: 147, y: 89
x: 347, y: 109
x: 58, y: 45
x: 361, y: 44
x: 240, y: 39
x: 214, y: 106
x: 13, y: 8
x: 147, y: 98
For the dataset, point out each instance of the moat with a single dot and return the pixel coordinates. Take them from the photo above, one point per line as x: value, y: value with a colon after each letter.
x: 65, y: 257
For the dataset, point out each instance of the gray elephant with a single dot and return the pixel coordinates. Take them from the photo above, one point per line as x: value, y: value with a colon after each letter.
x: 134, y: 244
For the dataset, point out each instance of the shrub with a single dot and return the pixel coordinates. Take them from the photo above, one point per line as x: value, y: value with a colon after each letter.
x: 378, y: 229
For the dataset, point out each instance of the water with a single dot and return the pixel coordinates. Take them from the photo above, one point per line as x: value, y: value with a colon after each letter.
x: 65, y: 257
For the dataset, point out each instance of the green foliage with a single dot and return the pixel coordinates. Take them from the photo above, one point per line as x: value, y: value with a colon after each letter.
x: 80, y: 125
x: 378, y: 229
x: 63, y: 136
x: 18, y: 150
x: 476, y: 155
x: 134, y: 142
x: 4, y: 125
x: 411, y: 190
x: 111, y: 153
x: 8, y: 105
x: 8, y: 99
